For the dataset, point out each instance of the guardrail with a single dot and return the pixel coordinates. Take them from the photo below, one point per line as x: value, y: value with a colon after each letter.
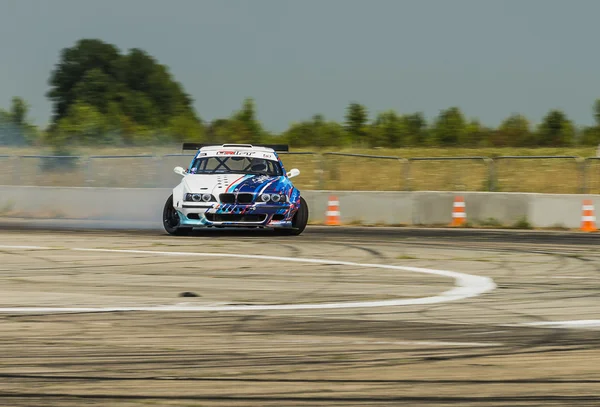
x: 329, y: 170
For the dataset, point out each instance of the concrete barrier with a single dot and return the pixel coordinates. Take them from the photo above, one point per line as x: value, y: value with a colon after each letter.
x: 144, y: 205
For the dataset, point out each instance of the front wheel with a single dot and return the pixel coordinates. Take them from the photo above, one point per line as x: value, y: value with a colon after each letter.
x: 171, y: 221
x: 298, y: 222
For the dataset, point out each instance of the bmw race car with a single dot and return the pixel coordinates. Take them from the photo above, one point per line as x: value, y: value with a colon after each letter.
x: 235, y: 185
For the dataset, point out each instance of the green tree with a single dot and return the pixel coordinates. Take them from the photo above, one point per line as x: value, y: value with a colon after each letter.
x: 214, y: 129
x: 18, y: 111
x: 556, y: 130
x: 82, y: 124
x: 133, y: 91
x: 388, y: 130
x: 597, y: 112
x: 357, y: 117
x: 186, y: 128
x: 416, y: 129
x: 590, y: 136
x: 247, y: 118
x: 475, y: 134
x: 75, y: 63
x: 15, y: 126
x: 449, y: 127
x: 144, y: 75
x: 514, y: 131
x: 317, y: 132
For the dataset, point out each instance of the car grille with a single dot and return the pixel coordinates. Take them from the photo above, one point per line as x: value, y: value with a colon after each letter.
x: 235, y: 217
x: 245, y: 198
x: 227, y: 198
x: 241, y: 198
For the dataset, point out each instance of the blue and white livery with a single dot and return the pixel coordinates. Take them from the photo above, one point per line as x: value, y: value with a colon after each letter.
x: 235, y: 185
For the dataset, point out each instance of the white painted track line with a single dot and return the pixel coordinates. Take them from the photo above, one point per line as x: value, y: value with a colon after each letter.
x: 576, y: 324
x: 466, y: 286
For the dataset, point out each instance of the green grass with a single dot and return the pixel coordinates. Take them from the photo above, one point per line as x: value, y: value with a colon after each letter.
x: 333, y: 172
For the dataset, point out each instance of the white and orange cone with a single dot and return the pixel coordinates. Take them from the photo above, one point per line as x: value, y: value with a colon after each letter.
x: 333, y: 212
x: 459, y: 216
x: 588, y: 219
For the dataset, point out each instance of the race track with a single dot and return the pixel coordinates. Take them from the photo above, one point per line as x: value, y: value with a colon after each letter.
x: 335, y: 317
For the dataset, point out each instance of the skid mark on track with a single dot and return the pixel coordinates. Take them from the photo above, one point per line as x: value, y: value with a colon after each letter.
x: 466, y: 286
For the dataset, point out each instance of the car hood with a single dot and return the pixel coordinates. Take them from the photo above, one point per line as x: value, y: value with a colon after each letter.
x: 220, y: 183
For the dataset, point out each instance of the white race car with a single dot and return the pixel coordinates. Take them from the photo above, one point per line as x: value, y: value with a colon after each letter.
x: 235, y: 185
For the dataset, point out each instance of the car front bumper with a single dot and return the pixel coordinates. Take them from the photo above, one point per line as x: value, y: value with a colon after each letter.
x: 230, y: 215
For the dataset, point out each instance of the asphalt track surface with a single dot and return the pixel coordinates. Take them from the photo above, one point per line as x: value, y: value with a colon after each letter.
x: 532, y: 340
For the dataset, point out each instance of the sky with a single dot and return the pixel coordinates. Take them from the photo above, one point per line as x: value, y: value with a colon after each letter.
x: 296, y: 58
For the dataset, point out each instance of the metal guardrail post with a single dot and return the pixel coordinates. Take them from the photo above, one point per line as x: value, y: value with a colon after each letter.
x: 407, y: 186
x: 16, y: 170
x: 88, y: 172
x: 321, y: 166
x: 491, y: 174
x: 587, y: 163
x: 581, y: 165
x: 404, y: 166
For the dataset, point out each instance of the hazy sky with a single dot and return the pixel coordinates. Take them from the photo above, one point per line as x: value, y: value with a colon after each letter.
x: 300, y: 57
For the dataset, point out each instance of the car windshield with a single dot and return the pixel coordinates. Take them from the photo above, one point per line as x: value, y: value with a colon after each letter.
x: 235, y: 165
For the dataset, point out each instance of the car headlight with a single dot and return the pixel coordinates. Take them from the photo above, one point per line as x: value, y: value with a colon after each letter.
x: 199, y: 198
x: 273, y: 198
x: 276, y: 197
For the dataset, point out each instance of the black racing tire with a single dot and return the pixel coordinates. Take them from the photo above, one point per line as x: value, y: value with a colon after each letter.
x: 299, y: 221
x: 171, y: 220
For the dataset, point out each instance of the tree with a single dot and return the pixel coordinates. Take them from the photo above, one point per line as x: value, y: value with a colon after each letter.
x: 449, y: 127
x: 186, y: 128
x: 75, y: 63
x: 513, y: 131
x: 388, y: 130
x: 15, y: 127
x: 416, y: 129
x: 556, y: 130
x: 597, y: 112
x: 247, y: 117
x: 83, y: 123
x: 133, y: 90
x: 590, y: 136
x: 474, y: 135
x: 317, y: 132
x: 356, y: 122
x: 18, y: 111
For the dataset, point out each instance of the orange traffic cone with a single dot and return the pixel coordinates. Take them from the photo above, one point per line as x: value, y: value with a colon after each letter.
x: 459, y: 216
x: 588, y: 219
x: 333, y: 212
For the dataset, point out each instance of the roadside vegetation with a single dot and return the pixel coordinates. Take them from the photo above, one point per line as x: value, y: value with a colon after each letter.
x: 103, y: 96
x: 112, y: 102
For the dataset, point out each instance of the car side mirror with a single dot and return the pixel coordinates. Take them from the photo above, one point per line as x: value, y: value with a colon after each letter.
x: 294, y: 172
x: 179, y: 171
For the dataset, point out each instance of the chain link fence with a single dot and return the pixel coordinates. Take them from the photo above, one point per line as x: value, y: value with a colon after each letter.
x: 448, y: 174
x: 128, y: 171
x: 332, y: 171
x: 361, y: 172
x: 544, y: 174
x: 48, y: 170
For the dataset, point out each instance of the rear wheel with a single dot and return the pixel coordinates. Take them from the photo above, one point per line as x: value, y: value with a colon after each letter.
x: 171, y: 221
x: 298, y: 222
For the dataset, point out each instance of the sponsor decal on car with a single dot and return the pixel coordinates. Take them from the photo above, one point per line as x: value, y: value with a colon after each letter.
x: 245, y: 153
